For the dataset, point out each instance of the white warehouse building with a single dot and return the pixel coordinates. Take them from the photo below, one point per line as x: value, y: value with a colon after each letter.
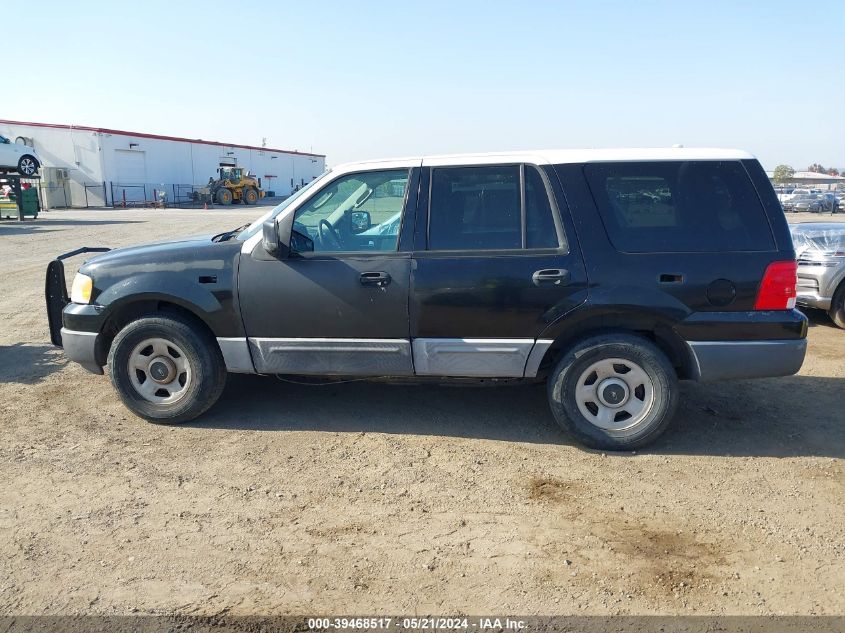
x: 89, y: 166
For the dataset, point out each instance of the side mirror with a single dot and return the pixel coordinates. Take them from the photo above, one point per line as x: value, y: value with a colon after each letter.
x: 275, y: 236
x: 360, y: 221
x: 270, y: 237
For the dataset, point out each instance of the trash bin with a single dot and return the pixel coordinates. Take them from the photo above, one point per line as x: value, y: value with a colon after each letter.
x: 29, y: 202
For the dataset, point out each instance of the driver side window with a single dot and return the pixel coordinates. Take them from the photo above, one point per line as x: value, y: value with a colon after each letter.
x: 359, y: 212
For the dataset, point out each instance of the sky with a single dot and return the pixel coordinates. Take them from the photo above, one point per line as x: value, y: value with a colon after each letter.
x: 356, y: 80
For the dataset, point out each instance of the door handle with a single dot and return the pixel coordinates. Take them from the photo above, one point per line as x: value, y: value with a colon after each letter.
x: 550, y: 277
x: 375, y: 279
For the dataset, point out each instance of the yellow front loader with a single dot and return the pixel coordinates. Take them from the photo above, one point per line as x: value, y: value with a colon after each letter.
x: 234, y: 185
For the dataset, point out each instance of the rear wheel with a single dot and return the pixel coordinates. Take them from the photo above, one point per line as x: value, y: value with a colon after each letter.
x: 250, y: 195
x: 27, y: 166
x: 223, y: 196
x: 613, y: 392
x: 166, y: 369
x: 837, y: 306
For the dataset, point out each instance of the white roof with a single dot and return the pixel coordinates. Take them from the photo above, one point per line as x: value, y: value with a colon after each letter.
x: 559, y: 156
x: 812, y: 175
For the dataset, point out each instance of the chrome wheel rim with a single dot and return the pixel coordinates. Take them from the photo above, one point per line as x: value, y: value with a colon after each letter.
x: 159, y: 371
x: 28, y: 166
x: 614, y: 394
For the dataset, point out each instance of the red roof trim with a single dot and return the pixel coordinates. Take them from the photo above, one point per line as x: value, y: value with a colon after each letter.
x: 161, y: 137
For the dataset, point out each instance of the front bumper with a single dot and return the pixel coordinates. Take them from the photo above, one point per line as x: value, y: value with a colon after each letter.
x: 813, y: 300
x: 81, y: 347
x: 729, y: 360
x: 817, y: 282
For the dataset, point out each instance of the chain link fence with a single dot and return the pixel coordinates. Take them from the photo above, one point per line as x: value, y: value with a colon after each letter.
x: 128, y: 195
x: 95, y: 193
x: 122, y: 195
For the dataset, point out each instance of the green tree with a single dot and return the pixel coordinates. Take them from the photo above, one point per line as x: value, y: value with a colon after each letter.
x: 783, y: 174
x: 816, y: 168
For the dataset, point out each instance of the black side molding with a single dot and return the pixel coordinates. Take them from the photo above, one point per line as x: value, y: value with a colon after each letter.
x: 55, y: 290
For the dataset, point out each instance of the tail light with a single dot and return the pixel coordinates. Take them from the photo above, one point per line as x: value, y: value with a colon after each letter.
x: 778, y: 288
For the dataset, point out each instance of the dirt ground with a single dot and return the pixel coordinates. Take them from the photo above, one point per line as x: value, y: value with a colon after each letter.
x: 373, y: 498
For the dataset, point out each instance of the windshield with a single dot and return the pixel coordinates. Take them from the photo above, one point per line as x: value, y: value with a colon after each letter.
x: 255, y: 227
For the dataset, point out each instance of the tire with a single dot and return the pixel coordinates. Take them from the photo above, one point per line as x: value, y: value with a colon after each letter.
x: 177, y: 344
x: 223, y: 196
x: 837, y: 306
x: 28, y: 166
x: 637, y: 380
x: 250, y: 195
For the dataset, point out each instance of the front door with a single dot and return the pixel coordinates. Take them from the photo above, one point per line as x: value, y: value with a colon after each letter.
x: 339, y: 303
x: 492, y: 268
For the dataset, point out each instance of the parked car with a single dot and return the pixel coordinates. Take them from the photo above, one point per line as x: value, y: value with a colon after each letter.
x: 782, y: 191
x: 20, y: 157
x: 800, y: 204
x: 814, y: 203
x: 820, y: 248
x: 607, y: 274
x: 792, y: 194
x: 828, y: 203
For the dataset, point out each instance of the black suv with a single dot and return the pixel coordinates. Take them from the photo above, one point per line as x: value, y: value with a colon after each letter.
x: 608, y: 274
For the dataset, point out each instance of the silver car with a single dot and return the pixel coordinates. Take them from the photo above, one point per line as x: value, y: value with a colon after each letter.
x: 16, y: 156
x: 820, y: 249
x: 800, y: 203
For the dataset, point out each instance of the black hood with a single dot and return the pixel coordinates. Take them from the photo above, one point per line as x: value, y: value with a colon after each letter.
x: 164, y: 255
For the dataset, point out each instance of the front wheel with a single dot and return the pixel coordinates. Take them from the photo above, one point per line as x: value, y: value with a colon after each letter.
x: 166, y: 369
x: 250, y: 195
x: 837, y: 306
x: 223, y: 196
x: 613, y: 392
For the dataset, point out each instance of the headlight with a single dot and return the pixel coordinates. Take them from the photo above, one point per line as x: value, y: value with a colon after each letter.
x: 80, y: 292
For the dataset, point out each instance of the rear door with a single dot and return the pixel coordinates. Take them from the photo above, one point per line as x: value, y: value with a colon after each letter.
x: 495, y: 261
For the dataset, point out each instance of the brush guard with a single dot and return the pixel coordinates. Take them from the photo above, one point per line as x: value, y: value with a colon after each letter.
x: 55, y: 290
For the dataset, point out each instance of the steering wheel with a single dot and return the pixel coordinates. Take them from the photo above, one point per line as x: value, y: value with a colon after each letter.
x: 329, y: 233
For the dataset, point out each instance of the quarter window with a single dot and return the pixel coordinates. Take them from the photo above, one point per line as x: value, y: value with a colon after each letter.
x: 359, y: 212
x: 540, y: 229
x: 496, y: 207
x: 683, y: 206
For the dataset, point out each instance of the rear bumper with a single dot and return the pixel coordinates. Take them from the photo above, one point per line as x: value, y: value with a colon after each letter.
x: 81, y: 347
x: 728, y: 360
x: 743, y: 326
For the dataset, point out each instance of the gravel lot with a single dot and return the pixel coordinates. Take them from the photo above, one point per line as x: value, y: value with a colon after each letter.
x: 379, y: 498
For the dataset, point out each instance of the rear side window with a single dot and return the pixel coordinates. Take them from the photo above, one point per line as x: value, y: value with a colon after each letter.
x: 475, y: 208
x: 682, y: 206
x: 491, y: 207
